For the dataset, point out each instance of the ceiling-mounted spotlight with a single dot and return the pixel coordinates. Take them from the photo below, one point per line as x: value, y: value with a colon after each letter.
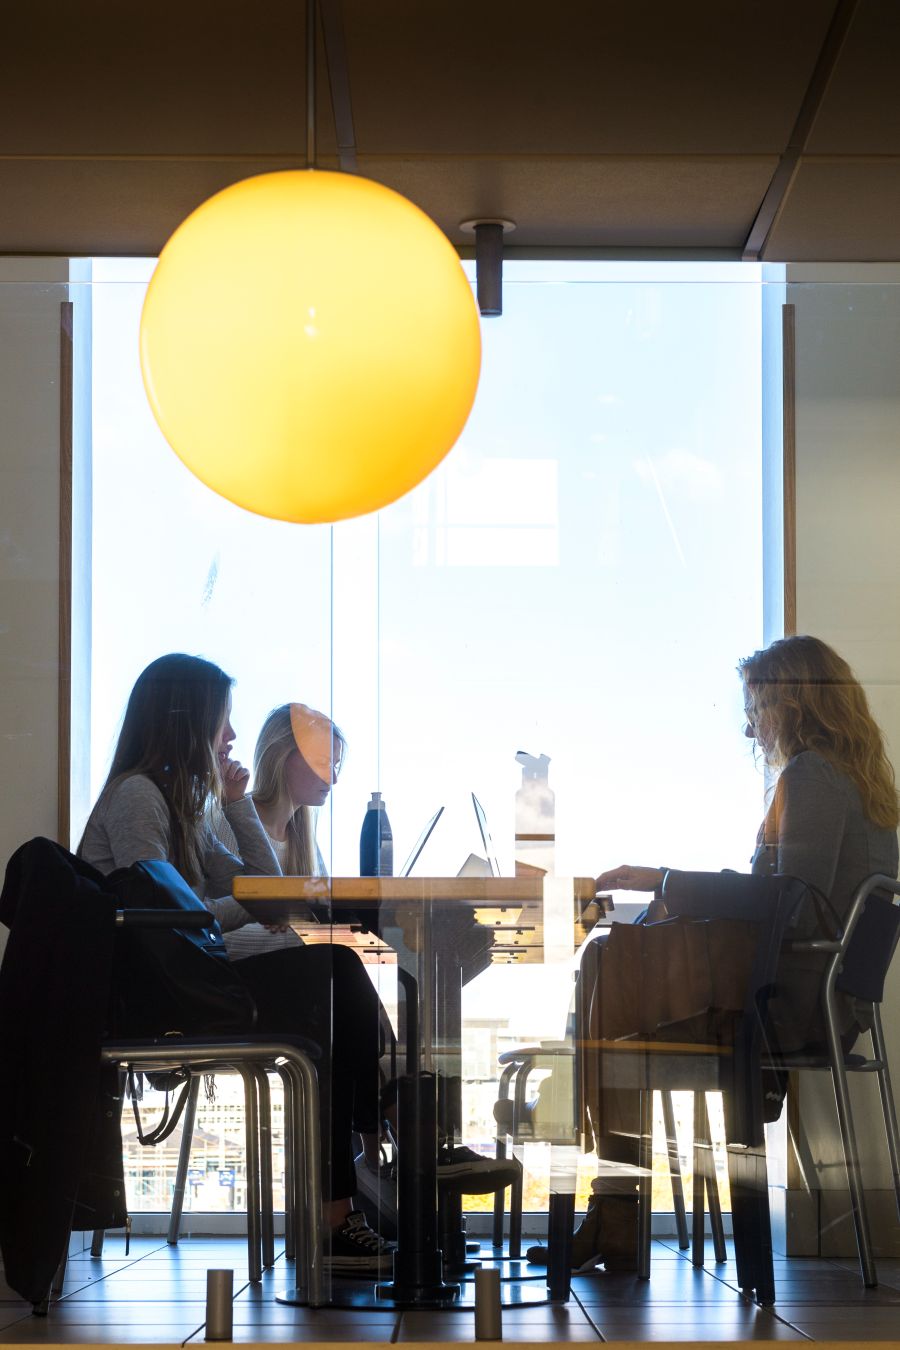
x: 489, y: 261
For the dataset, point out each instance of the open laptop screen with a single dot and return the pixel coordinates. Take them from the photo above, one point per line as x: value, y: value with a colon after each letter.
x: 421, y: 842
x: 485, y: 837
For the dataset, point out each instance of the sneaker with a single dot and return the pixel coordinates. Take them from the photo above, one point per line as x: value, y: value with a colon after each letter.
x: 455, y: 1159
x: 355, y: 1249
x: 378, y: 1186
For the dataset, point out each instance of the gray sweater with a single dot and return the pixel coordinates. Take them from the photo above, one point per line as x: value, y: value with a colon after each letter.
x: 131, y: 823
x: 816, y: 829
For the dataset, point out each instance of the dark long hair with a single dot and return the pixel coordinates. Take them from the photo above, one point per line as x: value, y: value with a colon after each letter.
x: 174, y: 714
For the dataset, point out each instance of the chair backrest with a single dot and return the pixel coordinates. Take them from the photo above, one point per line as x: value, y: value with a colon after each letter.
x: 869, y: 940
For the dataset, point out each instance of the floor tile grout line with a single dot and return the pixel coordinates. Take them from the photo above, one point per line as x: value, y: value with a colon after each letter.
x: 100, y: 1279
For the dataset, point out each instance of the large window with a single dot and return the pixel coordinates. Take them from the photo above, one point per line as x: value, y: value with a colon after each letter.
x: 577, y: 579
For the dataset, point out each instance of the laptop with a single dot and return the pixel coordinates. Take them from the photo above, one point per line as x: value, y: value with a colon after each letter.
x: 420, y: 843
x: 489, y: 852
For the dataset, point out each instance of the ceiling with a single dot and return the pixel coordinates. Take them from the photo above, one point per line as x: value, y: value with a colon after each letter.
x: 713, y: 128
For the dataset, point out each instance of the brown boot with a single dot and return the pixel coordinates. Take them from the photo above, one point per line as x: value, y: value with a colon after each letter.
x: 587, y: 1238
x: 585, y: 1241
x: 619, y: 1233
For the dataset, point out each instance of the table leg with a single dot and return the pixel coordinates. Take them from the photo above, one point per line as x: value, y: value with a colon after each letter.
x: 418, y: 1263
x: 561, y: 1220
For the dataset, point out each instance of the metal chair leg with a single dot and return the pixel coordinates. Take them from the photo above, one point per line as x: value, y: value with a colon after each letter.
x: 888, y: 1106
x: 645, y: 1185
x: 42, y: 1306
x: 184, y: 1159
x: 59, y: 1277
x: 500, y: 1155
x: 713, y: 1203
x: 267, y: 1215
x: 698, y: 1213
x: 675, y: 1170
x: 251, y: 1113
x: 851, y: 1155
x: 307, y: 1176
x: 515, y: 1217
x: 97, y: 1241
x: 290, y: 1218
x: 499, y: 1200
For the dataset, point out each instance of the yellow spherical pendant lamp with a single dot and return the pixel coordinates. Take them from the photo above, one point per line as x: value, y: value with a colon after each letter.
x: 310, y: 345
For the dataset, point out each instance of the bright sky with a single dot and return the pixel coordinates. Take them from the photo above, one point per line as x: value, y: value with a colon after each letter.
x: 578, y: 578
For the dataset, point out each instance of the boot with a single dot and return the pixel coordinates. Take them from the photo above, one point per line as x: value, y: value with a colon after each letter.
x: 608, y: 1233
x: 619, y: 1233
x: 585, y: 1241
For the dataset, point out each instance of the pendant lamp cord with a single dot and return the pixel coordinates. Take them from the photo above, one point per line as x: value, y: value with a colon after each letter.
x: 310, y: 84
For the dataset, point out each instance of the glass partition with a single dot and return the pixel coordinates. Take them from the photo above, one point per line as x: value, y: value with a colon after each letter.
x: 554, y: 587
x: 538, y: 643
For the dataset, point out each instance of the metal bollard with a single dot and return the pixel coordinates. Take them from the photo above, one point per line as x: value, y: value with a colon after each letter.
x: 219, y: 1294
x: 488, y: 1317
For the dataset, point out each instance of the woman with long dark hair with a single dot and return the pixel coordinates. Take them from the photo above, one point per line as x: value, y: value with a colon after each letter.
x: 171, y: 784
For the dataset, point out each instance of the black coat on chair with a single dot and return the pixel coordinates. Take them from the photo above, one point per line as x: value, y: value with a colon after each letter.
x: 60, y: 1141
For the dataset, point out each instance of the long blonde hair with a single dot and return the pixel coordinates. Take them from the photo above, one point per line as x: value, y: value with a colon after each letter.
x: 802, y: 696
x: 273, y: 747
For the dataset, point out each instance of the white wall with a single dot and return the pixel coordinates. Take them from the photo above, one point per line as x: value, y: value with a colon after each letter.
x: 848, y: 565
x: 31, y: 291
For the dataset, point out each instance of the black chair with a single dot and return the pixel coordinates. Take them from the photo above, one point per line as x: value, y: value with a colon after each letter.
x: 860, y: 959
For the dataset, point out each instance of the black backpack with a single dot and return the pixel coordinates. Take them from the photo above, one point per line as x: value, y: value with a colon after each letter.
x: 172, y: 980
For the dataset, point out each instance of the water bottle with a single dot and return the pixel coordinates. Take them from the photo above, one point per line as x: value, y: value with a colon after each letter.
x: 376, y: 842
x: 535, y: 817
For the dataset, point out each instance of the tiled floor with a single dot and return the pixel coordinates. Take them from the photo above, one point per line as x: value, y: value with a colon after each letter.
x: 157, y: 1295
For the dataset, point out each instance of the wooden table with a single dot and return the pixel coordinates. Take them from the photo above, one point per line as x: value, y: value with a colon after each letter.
x: 445, y: 930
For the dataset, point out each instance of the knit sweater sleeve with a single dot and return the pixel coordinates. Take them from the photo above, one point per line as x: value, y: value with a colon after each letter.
x: 254, y: 857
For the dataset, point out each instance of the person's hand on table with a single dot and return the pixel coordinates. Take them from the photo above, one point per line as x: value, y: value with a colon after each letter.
x: 234, y: 781
x: 628, y: 878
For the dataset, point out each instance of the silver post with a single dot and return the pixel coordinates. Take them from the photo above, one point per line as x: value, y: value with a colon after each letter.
x: 488, y: 1317
x: 219, y: 1295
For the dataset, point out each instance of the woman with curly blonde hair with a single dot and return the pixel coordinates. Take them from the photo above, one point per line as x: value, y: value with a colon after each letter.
x: 832, y: 822
x: 834, y: 813
x: 802, y: 698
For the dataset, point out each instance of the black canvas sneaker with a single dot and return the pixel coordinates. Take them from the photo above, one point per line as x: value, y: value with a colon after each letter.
x: 355, y: 1249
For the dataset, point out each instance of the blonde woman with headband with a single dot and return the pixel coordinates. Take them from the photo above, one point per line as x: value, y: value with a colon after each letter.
x: 832, y: 822
x: 295, y: 765
x: 297, y: 760
x: 322, y: 989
